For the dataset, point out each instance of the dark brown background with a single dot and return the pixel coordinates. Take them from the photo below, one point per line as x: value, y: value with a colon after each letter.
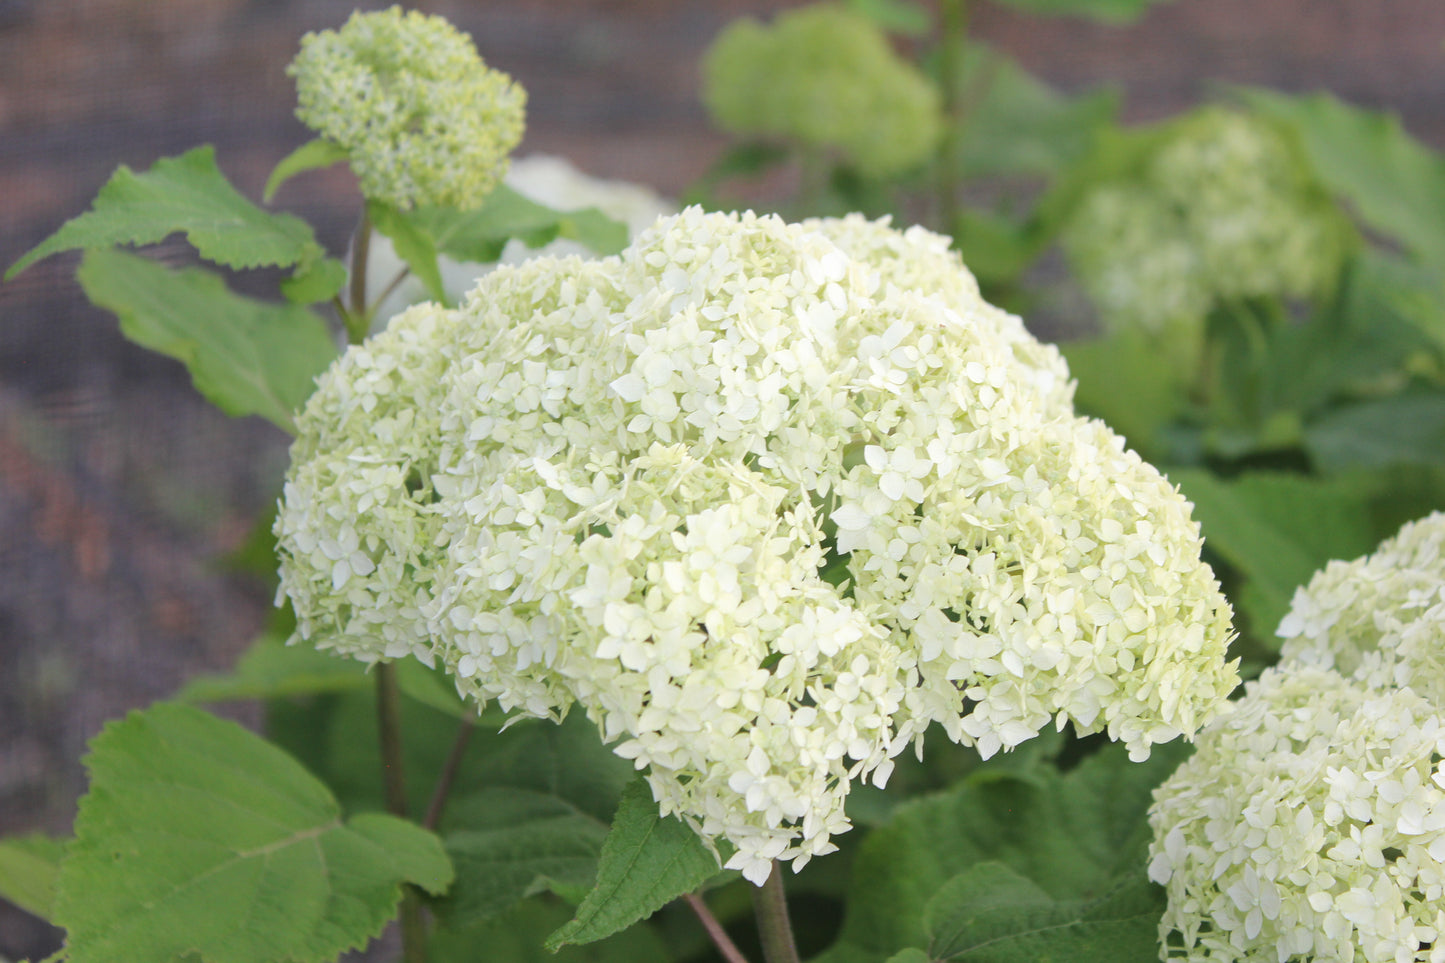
x: 118, y: 486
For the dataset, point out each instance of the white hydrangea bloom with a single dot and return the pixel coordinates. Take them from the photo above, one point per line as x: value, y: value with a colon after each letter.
x: 1309, y: 825
x: 1379, y: 618
x: 619, y: 484
x: 548, y: 180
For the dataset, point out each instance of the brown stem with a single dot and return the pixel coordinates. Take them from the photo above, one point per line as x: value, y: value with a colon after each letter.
x: 356, y: 317
x: 770, y: 906
x: 448, y: 775
x: 715, y: 931
x: 388, y: 721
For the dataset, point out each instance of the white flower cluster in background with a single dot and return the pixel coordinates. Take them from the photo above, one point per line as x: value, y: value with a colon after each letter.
x: 552, y: 181
x: 1310, y: 824
x: 765, y: 500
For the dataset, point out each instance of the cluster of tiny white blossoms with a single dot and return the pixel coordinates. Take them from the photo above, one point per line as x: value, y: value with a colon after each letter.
x: 618, y: 483
x: 1310, y: 824
x: 423, y: 120
x: 1224, y: 208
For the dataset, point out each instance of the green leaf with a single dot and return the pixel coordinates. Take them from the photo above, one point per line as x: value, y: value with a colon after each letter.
x: 1076, y: 836
x: 434, y: 687
x: 1121, y: 381
x: 199, y: 837
x: 1403, y: 430
x: 413, y: 242
x: 1107, y: 11
x: 28, y: 868
x: 480, y: 235
x: 647, y: 861
x: 992, y: 913
x: 187, y: 193
x: 272, y: 669
x: 517, y: 937
x: 1277, y: 529
x: 318, y: 280
x: 246, y: 356
x: 1021, y: 125
x: 308, y: 157
x: 516, y: 843
x: 1395, y: 183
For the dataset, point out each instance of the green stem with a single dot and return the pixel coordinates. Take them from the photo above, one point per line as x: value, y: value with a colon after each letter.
x: 356, y: 315
x: 388, y: 721
x: 953, y: 15
x: 770, y: 906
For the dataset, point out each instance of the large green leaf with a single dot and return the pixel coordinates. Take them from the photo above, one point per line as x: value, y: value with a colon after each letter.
x: 1406, y: 429
x: 272, y: 669
x: 1395, y: 183
x: 1277, y: 529
x: 1107, y: 11
x: 183, y: 194
x: 517, y: 937
x: 28, y: 868
x: 246, y: 356
x: 515, y: 843
x: 199, y: 837
x: 1121, y: 381
x: 647, y: 861
x: 1080, y: 836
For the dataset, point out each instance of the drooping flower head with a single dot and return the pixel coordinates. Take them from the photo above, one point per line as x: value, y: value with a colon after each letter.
x: 1379, y: 618
x: 825, y: 77
x: 765, y: 500
x: 1221, y: 207
x: 1309, y: 825
x: 423, y: 120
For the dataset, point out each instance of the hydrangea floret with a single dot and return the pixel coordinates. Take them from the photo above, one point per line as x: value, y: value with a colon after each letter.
x: 1224, y: 208
x: 1310, y: 824
x: 765, y: 500
x: 825, y: 77
x: 423, y: 120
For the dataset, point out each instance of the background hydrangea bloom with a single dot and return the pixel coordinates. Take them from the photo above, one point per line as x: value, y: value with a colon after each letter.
x: 766, y: 500
x: 1224, y: 208
x: 826, y: 77
x: 422, y: 118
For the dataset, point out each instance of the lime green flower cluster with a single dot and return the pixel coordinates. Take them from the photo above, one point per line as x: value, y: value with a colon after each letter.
x: 1224, y: 209
x: 422, y: 118
x: 827, y: 78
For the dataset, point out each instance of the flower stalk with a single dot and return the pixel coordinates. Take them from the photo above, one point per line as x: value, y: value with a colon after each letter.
x: 770, y: 906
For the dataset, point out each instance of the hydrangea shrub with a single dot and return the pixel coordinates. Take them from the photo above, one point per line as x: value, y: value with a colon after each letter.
x: 1310, y: 824
x: 765, y: 500
x: 422, y: 119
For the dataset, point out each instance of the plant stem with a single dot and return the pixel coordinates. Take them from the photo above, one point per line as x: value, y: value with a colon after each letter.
x: 448, y: 775
x: 388, y: 721
x: 953, y: 15
x: 770, y: 906
x: 715, y: 931
x: 356, y: 318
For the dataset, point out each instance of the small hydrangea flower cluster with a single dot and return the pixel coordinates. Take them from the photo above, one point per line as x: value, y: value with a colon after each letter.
x: 1224, y: 208
x: 823, y: 76
x: 624, y: 483
x: 1310, y: 824
x: 422, y: 118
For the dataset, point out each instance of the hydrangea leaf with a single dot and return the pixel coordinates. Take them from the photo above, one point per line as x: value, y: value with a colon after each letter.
x: 246, y: 356
x: 480, y: 235
x: 514, y: 843
x: 1106, y: 11
x: 1395, y: 183
x: 1121, y: 381
x: 995, y: 914
x: 647, y: 861
x: 1076, y: 837
x: 272, y: 669
x: 1021, y: 125
x: 199, y: 837
x: 1407, y: 429
x: 315, y: 280
x: 517, y: 936
x: 1277, y: 529
x: 309, y: 156
x: 190, y: 194
x: 413, y: 245
x: 28, y: 867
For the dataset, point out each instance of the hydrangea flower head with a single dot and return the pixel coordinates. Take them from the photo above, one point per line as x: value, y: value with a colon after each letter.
x: 1309, y: 825
x: 765, y: 500
x: 825, y: 77
x: 422, y: 118
x: 1380, y: 618
x: 1223, y: 207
